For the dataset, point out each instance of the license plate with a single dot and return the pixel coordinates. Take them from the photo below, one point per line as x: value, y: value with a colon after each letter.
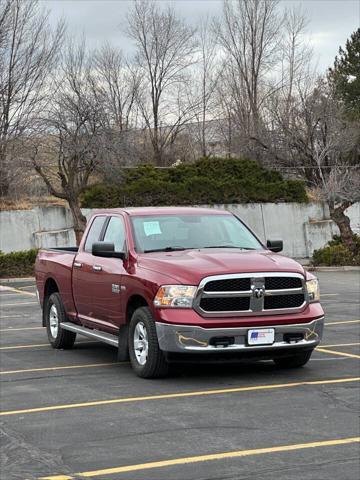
x: 263, y: 336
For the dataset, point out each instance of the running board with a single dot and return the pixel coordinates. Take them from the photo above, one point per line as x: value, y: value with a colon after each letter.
x: 96, y: 334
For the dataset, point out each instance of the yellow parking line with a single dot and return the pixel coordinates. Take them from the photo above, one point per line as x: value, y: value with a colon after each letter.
x: 343, y: 321
x: 340, y: 345
x: 20, y: 328
x: 342, y: 354
x: 34, y: 345
x: 27, y: 286
x: 178, y: 395
x: 15, y: 347
x: 65, y: 367
x: 17, y: 304
x: 207, y: 458
x: 16, y: 290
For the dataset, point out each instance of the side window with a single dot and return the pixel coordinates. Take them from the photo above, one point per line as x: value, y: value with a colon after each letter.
x: 115, y: 233
x: 94, y: 233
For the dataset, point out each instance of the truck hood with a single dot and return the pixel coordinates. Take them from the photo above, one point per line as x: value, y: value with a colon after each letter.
x: 191, y: 266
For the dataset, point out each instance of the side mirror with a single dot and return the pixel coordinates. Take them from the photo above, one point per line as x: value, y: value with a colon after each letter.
x: 106, y: 249
x: 274, y: 245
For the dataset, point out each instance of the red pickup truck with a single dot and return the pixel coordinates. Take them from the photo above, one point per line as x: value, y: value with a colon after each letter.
x: 172, y: 284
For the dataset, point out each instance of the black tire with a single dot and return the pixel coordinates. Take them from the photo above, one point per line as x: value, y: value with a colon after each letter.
x: 294, y: 361
x: 154, y: 365
x: 60, y: 338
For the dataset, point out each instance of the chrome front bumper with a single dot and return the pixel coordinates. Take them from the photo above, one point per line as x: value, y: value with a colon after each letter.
x: 184, y: 338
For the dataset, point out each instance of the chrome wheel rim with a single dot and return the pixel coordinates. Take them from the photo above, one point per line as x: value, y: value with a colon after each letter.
x: 53, y: 321
x: 141, y: 343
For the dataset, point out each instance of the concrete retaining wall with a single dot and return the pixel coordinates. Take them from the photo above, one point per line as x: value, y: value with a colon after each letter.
x: 303, y: 227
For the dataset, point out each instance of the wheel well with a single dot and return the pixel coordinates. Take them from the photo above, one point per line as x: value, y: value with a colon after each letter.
x: 134, y: 302
x: 50, y: 288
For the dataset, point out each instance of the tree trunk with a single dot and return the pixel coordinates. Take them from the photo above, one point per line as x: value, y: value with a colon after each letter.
x: 78, y: 217
x: 343, y: 222
x: 4, y: 178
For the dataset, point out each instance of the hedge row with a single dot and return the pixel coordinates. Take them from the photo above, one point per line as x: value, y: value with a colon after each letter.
x: 17, y: 264
x: 336, y: 253
x: 206, y: 181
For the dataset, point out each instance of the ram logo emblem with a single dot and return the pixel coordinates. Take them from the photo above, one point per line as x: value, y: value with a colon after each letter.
x: 258, y: 292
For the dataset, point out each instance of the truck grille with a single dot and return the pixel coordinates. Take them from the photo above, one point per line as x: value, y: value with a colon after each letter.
x: 250, y: 294
x: 231, y: 304
x: 228, y: 285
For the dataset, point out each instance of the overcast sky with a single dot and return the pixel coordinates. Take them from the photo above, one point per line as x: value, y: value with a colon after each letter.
x: 330, y: 21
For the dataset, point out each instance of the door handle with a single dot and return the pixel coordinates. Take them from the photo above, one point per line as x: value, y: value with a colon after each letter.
x: 97, y: 268
x: 77, y: 264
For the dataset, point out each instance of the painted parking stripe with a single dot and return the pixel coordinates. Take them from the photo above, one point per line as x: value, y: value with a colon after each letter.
x: 206, y: 458
x: 340, y: 345
x: 64, y: 367
x: 33, y: 345
x: 38, y: 345
x: 18, y: 304
x: 341, y: 322
x: 179, y: 395
x: 20, y: 329
x: 17, y: 347
x: 334, y: 352
x: 16, y: 290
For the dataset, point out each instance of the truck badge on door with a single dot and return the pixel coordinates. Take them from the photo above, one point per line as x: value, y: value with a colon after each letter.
x: 115, y: 288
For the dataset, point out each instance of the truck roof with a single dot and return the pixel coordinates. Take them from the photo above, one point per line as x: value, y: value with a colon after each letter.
x: 140, y: 211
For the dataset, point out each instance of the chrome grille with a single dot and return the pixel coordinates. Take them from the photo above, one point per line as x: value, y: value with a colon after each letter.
x: 280, y: 283
x: 286, y: 301
x: 227, y: 304
x: 228, y: 285
x: 249, y: 294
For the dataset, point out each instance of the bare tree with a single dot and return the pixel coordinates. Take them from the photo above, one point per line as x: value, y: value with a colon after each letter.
x: 164, y: 51
x: 28, y: 52
x: 204, y: 85
x: 118, y: 85
x: 74, y: 139
x: 320, y: 145
x: 249, y: 36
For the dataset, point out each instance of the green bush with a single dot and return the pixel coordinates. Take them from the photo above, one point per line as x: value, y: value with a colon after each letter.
x: 336, y: 253
x: 17, y: 264
x: 206, y: 181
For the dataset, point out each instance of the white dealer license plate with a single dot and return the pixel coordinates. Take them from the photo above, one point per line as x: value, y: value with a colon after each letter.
x: 263, y: 336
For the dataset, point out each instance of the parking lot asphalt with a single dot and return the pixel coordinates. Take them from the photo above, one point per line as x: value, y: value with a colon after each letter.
x: 72, y: 414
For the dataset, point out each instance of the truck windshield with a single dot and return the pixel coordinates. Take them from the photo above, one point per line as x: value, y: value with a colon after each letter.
x: 182, y: 232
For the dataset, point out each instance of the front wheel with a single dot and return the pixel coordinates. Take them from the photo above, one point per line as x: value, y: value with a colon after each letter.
x: 54, y: 315
x: 294, y: 361
x: 147, y: 360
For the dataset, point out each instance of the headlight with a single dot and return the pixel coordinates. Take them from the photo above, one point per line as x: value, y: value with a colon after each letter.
x: 313, y: 290
x: 176, y: 296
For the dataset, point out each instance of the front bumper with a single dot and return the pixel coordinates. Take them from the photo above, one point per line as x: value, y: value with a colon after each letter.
x: 194, y: 339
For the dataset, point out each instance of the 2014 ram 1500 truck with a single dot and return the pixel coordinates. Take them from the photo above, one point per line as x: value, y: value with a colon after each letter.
x: 170, y: 284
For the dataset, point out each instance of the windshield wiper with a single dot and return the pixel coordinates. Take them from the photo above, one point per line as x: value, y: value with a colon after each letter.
x: 166, y: 249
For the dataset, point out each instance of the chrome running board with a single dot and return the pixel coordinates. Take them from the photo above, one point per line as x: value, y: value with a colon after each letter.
x: 88, y: 332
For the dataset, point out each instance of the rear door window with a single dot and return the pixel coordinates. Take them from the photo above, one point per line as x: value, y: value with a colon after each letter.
x: 94, y: 233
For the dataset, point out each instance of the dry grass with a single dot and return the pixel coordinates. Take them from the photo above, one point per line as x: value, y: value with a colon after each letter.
x: 29, y: 203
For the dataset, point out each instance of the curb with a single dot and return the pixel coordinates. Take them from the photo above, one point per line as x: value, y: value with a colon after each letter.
x: 14, y: 280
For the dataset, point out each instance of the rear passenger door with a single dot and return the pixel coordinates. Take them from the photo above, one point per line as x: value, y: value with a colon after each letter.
x: 83, y: 278
x: 108, y: 274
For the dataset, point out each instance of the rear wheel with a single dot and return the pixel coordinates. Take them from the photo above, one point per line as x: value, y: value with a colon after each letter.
x: 294, y: 361
x: 54, y: 316
x: 146, y: 358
